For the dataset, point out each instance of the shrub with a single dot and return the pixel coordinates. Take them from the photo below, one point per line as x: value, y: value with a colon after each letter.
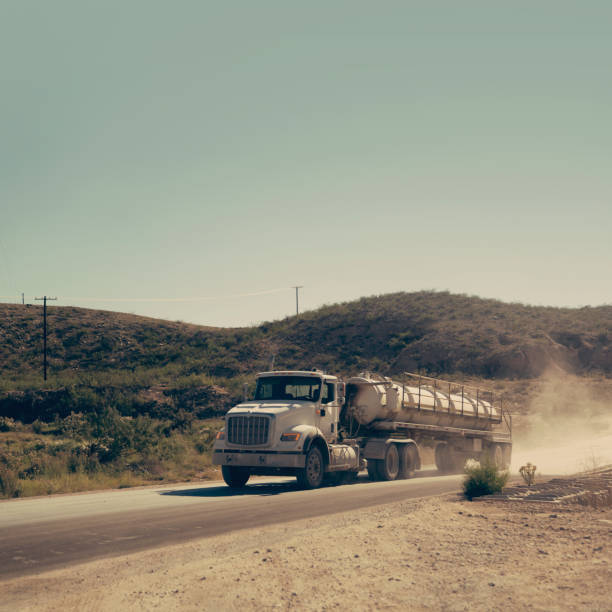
x: 37, y: 426
x: 7, y: 424
x: 9, y: 483
x: 111, y: 433
x: 483, y: 478
x: 74, y: 426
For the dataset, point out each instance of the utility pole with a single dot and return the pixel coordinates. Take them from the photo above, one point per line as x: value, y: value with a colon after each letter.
x: 22, y: 298
x: 297, y: 301
x: 45, y: 299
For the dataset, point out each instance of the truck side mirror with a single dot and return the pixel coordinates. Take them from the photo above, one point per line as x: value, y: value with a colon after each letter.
x: 341, y: 392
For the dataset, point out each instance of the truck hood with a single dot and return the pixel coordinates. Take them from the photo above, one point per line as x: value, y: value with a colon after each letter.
x: 275, y: 408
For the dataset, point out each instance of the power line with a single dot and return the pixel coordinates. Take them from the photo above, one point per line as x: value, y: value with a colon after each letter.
x: 161, y: 300
x: 177, y: 299
x: 21, y: 297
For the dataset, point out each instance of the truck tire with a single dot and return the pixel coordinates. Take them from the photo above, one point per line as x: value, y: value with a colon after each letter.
x: 443, y: 458
x: 407, y: 461
x: 235, y: 477
x: 388, y: 468
x: 311, y: 475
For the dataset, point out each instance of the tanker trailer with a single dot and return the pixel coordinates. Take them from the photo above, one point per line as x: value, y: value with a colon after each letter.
x: 457, y: 421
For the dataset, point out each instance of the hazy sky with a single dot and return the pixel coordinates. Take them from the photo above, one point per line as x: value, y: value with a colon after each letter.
x: 179, y: 150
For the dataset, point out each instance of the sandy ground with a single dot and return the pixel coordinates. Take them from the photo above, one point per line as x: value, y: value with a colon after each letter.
x: 436, y: 554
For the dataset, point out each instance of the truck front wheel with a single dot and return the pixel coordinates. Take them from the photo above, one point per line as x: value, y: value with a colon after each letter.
x: 311, y: 475
x: 235, y: 477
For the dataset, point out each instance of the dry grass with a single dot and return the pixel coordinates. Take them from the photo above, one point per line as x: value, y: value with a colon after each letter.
x: 64, y: 459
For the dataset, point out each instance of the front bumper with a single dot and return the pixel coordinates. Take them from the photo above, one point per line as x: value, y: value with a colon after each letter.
x: 255, y: 459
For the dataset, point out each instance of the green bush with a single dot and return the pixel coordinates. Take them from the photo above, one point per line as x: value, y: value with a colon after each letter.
x: 483, y: 478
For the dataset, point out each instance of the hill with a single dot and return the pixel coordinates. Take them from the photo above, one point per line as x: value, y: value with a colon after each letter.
x: 441, y: 333
x: 144, y: 365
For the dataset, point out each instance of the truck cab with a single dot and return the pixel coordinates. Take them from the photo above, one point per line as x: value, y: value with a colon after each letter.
x: 291, y: 412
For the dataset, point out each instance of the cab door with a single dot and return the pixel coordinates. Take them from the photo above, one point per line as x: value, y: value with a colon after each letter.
x: 327, y: 413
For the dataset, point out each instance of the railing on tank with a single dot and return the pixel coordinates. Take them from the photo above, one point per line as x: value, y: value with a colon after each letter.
x: 442, y: 390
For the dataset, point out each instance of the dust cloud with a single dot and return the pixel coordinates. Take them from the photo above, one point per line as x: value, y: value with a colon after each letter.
x: 567, y: 428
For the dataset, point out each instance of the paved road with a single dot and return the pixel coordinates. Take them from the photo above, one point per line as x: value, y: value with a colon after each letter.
x: 47, y: 533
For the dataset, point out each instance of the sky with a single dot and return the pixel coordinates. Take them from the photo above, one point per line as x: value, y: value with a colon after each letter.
x: 194, y: 160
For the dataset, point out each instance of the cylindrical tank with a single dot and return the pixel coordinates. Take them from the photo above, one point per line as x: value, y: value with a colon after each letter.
x: 372, y: 398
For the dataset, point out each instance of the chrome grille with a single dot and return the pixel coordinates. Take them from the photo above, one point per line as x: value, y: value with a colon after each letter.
x: 248, y: 430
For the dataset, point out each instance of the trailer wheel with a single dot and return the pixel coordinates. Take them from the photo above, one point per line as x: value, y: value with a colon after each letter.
x: 443, y: 458
x: 235, y: 477
x: 388, y: 468
x: 311, y: 475
x: 407, y: 461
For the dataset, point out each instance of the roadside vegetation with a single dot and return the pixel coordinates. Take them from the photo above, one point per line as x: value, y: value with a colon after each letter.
x: 100, y: 450
x: 483, y: 478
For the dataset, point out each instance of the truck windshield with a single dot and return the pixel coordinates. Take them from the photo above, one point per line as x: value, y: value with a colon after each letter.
x: 306, y: 388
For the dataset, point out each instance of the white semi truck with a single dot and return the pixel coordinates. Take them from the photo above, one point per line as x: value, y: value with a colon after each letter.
x: 312, y: 425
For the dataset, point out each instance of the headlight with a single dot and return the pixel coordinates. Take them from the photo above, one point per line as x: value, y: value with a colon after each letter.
x: 290, y: 437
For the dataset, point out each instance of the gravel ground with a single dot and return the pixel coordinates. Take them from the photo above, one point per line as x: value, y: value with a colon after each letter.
x: 436, y: 554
